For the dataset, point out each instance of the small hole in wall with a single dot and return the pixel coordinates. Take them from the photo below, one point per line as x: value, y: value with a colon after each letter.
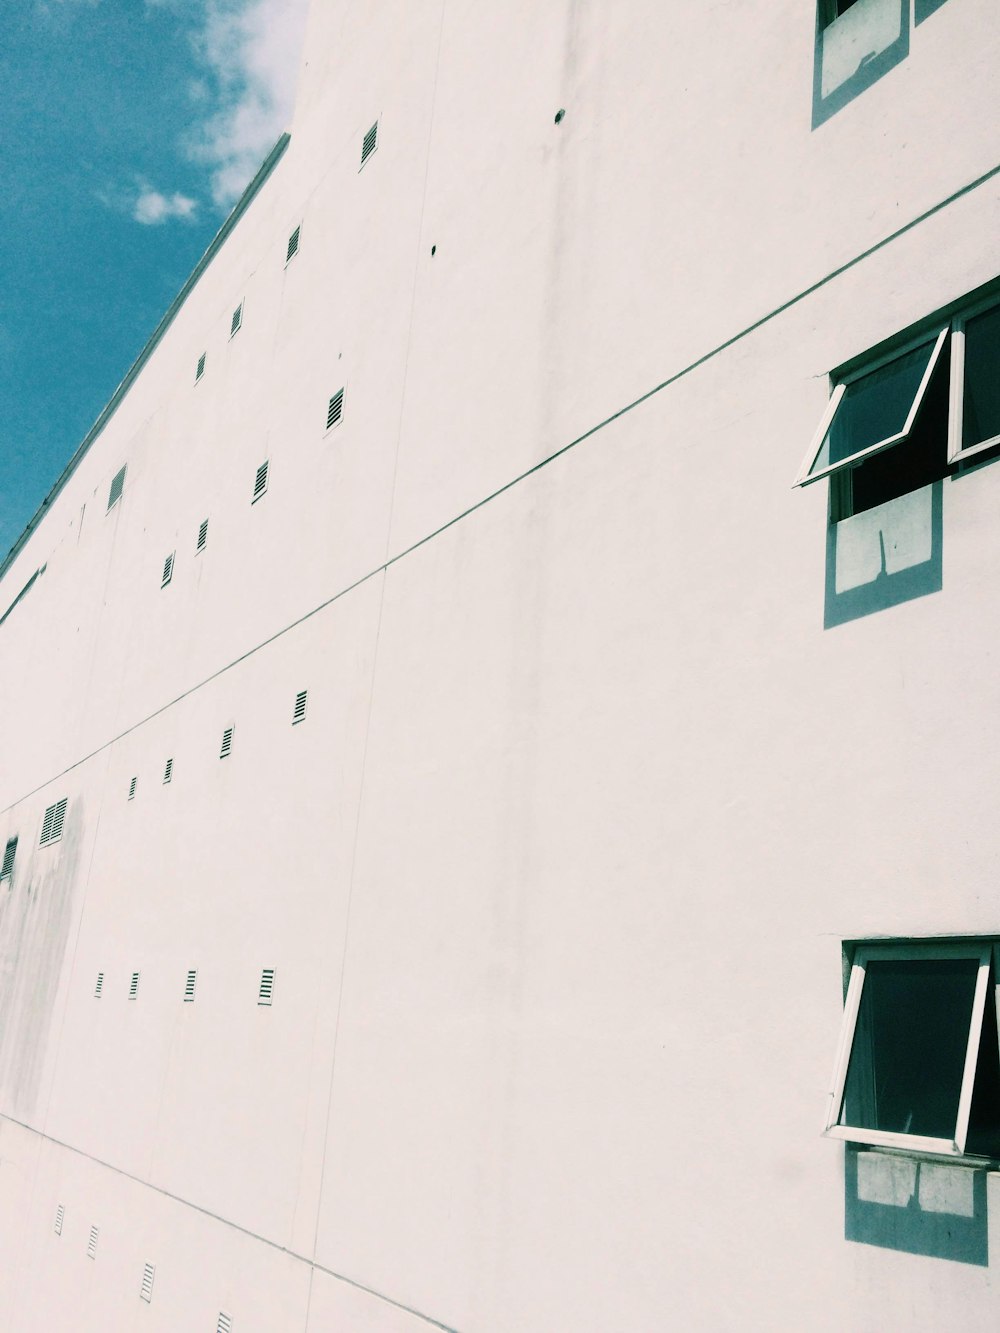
x: 434, y: 250
x: 559, y: 114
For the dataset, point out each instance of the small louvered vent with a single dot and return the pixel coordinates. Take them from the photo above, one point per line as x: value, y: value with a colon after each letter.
x: 189, y: 985
x: 370, y: 143
x: 9, y: 852
x: 168, y: 772
x: 92, y: 1243
x: 237, y: 320
x: 202, y: 536
x: 225, y: 1324
x: 201, y: 367
x: 227, y: 743
x: 131, y: 789
x: 168, y: 570
x: 52, y: 824
x: 293, y: 244
x: 148, y: 1273
x: 99, y: 985
x: 260, y: 484
x: 60, y: 1216
x: 266, y: 986
x: 117, y: 486
x: 336, y: 409
x: 299, y: 711
x: 133, y: 986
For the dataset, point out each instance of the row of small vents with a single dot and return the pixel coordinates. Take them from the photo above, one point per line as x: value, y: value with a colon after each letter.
x: 225, y: 1320
x: 265, y: 991
x: 226, y: 748
x: 335, y: 406
x: 55, y: 814
x: 334, y: 415
x: 368, y: 146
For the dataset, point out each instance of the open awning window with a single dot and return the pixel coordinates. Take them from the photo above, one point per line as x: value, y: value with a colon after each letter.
x: 917, y: 1065
x: 872, y: 410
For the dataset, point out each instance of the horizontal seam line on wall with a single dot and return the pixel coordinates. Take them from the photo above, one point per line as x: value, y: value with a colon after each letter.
x: 235, y: 1226
x: 536, y: 467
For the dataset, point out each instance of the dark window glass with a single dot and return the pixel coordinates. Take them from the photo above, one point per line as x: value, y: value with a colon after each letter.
x: 875, y: 407
x: 910, y: 1042
x: 981, y: 407
x: 984, y: 1118
x: 916, y: 461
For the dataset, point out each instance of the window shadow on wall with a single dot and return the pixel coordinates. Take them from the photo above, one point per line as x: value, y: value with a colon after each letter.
x: 884, y: 556
x: 916, y: 1206
x: 923, y: 9
x: 854, y: 50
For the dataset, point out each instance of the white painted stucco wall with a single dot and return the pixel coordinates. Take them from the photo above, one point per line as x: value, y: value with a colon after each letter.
x: 555, y: 876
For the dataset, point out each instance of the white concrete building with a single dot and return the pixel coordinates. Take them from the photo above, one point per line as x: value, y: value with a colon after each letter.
x: 454, y: 773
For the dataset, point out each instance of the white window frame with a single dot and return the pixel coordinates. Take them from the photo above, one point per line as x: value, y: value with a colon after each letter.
x: 956, y: 414
x: 912, y: 951
x: 805, y: 475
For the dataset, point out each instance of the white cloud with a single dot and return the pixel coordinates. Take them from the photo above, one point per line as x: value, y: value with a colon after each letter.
x: 141, y: 202
x: 151, y: 207
x: 250, y: 50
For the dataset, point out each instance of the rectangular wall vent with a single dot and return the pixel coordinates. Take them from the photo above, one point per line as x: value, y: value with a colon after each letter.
x: 131, y: 789
x: 60, y: 1217
x: 117, y: 486
x: 266, y: 991
x: 168, y: 772
x: 369, y: 144
x: 99, y: 985
x: 335, y: 410
x: 293, y: 243
x: 227, y: 743
x: 92, y: 1243
x: 237, y: 320
x: 299, y: 711
x: 52, y: 824
x: 260, y: 484
x: 133, y: 986
x: 201, y: 367
x: 202, y: 536
x: 189, y: 985
x: 148, y: 1273
x: 225, y: 1324
x: 9, y: 852
x: 168, y: 570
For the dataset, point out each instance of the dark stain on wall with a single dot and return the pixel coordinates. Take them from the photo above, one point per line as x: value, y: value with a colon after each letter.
x: 36, y: 914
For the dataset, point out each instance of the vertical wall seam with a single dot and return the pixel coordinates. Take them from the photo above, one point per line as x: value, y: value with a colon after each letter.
x: 416, y: 279
x: 344, y: 949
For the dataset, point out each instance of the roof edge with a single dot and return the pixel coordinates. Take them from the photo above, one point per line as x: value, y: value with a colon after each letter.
x: 265, y: 169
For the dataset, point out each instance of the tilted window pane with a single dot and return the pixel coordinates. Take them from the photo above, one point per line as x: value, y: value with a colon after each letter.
x: 910, y: 1043
x: 874, y: 408
x: 981, y: 404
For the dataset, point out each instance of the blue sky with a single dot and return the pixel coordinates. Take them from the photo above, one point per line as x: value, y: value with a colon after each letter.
x: 129, y: 128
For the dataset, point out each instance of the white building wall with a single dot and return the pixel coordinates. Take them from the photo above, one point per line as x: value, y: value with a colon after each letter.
x: 555, y: 876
